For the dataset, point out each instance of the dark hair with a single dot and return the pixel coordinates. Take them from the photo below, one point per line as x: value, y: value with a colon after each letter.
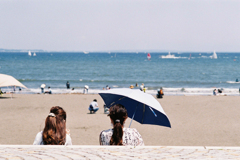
x: 95, y: 100
x: 54, y: 132
x: 118, y: 115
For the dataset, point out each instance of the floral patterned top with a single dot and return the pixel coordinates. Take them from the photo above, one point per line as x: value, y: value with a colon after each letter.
x: 131, y: 137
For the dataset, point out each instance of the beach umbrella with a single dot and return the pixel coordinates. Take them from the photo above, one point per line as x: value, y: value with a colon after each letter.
x: 141, y: 107
x: 7, y: 81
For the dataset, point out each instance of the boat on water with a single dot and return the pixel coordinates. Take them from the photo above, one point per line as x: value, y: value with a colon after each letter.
x: 34, y: 54
x: 149, y: 56
x: 189, y: 56
x: 85, y: 52
x: 214, y: 56
x: 170, y: 56
x: 29, y: 53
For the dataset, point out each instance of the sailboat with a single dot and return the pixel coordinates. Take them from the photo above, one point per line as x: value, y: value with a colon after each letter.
x: 85, y: 52
x: 29, y: 53
x: 214, y: 56
x: 149, y: 56
x: 34, y: 54
x: 189, y: 56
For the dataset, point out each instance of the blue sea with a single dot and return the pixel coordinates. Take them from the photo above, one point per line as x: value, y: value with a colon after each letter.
x: 198, y: 75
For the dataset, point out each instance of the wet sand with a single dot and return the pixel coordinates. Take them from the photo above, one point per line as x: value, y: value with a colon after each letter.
x: 195, y: 120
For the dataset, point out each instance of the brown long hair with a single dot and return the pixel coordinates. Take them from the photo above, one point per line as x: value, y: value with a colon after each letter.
x: 118, y: 114
x: 54, y: 132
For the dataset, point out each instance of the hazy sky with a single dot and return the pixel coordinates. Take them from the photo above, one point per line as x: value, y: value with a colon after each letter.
x: 101, y: 25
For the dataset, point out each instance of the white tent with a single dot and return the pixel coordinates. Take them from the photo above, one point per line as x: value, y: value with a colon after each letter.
x: 6, y: 81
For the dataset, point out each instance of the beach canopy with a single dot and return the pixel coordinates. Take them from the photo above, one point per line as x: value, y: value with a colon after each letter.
x: 141, y: 107
x: 7, y: 81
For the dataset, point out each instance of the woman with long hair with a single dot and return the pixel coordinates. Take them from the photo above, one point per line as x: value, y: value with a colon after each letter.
x: 120, y: 135
x: 55, y: 132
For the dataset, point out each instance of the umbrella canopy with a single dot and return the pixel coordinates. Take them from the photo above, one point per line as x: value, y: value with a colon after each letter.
x: 6, y: 80
x: 142, y: 107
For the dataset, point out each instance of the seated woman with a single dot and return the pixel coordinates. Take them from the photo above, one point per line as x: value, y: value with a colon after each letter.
x: 120, y: 135
x: 55, y: 132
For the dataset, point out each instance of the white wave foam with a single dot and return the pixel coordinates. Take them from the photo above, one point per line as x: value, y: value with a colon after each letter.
x: 167, y: 91
x: 232, y: 82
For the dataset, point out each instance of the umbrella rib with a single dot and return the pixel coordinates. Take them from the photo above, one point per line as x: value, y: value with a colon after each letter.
x: 133, y: 116
x: 116, y: 101
x: 143, y: 112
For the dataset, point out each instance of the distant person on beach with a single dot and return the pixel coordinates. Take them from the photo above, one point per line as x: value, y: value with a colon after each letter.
x: 160, y: 93
x: 107, y: 88
x: 49, y: 90
x: 214, y: 92
x: 141, y: 87
x: 85, y: 90
x: 106, y: 110
x: 237, y: 80
x: 54, y: 132
x: 219, y: 91
x: 119, y: 135
x: 136, y: 85
x: 144, y: 89
x: 93, y: 107
x: 131, y: 87
x: 1, y: 92
x: 42, y: 87
x: 68, y: 85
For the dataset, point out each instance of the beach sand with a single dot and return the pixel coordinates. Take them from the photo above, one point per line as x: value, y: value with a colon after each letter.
x: 195, y: 120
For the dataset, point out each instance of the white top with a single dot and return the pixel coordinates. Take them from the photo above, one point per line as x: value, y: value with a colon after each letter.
x: 131, y: 137
x: 39, y: 140
x: 94, y: 104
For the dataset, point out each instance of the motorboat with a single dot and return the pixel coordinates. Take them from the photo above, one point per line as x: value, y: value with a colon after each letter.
x: 169, y: 56
x: 214, y: 56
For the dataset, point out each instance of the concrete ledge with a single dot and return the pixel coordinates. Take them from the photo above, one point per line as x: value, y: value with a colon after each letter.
x: 117, y: 152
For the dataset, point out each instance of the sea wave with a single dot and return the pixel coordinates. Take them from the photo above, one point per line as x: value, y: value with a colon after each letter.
x: 232, y: 82
x: 167, y: 91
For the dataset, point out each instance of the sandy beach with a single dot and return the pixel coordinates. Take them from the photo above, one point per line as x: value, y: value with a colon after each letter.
x: 195, y: 120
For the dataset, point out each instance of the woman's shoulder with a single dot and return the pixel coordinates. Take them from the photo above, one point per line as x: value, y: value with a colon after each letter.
x: 130, y: 130
x: 38, y: 139
x: 104, y: 132
x: 68, y: 140
x: 105, y: 136
x: 132, y: 137
x: 39, y: 134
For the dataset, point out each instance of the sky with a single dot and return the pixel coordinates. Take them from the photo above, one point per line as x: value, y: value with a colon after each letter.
x: 122, y: 25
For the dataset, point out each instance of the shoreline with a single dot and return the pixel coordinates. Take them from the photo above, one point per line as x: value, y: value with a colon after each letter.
x: 167, y: 91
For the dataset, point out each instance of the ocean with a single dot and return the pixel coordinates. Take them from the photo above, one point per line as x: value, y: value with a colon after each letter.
x: 198, y: 75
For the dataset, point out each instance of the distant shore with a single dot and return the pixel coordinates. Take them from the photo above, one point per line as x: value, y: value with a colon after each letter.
x: 195, y: 120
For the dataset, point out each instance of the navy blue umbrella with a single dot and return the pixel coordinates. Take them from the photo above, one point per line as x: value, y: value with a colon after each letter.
x: 141, y: 107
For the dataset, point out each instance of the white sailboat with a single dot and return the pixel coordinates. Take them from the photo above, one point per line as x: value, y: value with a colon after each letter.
x: 214, y: 56
x: 85, y: 52
x: 34, y: 54
x: 29, y: 53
